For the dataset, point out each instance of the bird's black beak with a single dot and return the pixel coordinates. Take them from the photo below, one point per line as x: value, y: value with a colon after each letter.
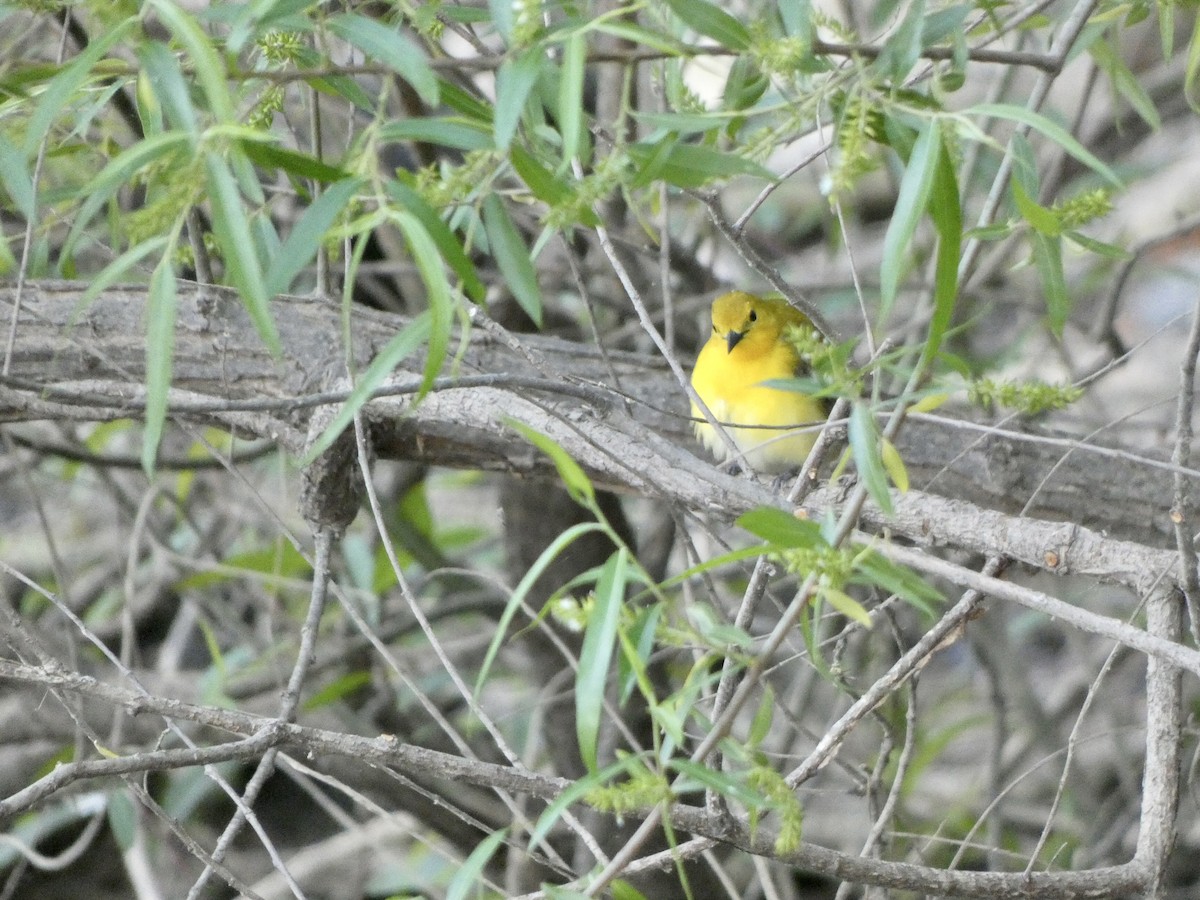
x: 733, y: 337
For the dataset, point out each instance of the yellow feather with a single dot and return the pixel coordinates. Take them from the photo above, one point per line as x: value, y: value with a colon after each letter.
x: 747, y: 348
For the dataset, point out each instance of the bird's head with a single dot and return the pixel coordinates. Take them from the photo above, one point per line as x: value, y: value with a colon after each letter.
x: 750, y: 322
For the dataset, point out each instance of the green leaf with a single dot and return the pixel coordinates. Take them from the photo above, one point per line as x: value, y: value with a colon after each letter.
x: 115, y: 270
x: 512, y: 256
x: 458, y: 133
x: 1126, y: 83
x: 636, y: 34
x: 460, y: 887
x: 112, y: 177
x: 915, y: 189
x: 1101, y: 248
x: 578, y: 789
x: 63, y: 85
x: 302, y: 244
x: 875, y: 569
x: 723, y: 783
x: 846, y: 605
x: 16, y: 179
x: 1039, y: 217
x: 403, y: 344
x: 299, y: 165
x: 595, y: 656
x: 711, y: 21
x: 760, y: 726
x: 502, y: 17
x: 864, y: 445
x: 514, y: 82
x: 902, y: 49
x: 232, y: 230
x: 570, y: 96
x: 689, y: 165
x: 391, y: 48
x: 546, y: 186
x: 578, y: 485
x: 122, y: 819
x: 447, y: 244
x: 160, y: 350
x: 166, y: 79
x: 1047, y: 257
x: 893, y: 464
x: 945, y: 209
x: 519, y: 595
x: 1051, y: 130
x: 623, y: 890
x: 780, y: 528
x: 441, y: 305
x: 206, y: 61
x: 337, y: 689
x: 633, y: 664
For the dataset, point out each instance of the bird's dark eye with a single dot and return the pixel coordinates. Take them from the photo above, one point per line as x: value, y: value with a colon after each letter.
x: 753, y: 316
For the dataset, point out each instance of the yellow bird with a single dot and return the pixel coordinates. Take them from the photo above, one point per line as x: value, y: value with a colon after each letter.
x: 747, y: 348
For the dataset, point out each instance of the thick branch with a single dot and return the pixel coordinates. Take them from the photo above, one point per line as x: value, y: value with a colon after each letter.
x: 72, y: 364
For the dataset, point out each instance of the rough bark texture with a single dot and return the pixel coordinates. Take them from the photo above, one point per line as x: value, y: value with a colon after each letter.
x: 621, y: 415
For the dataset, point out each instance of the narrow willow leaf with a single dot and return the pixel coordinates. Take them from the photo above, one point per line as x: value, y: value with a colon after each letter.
x: 403, y: 344
x: 514, y: 82
x: 623, y: 890
x: 1037, y: 216
x: 302, y: 244
x: 160, y: 351
x: 521, y: 593
x: 462, y: 884
x: 447, y: 243
x: 570, y: 96
x: 457, y: 133
x: 599, y: 638
x: 945, y: 208
x: 166, y: 80
x: 760, y: 726
x: 63, y: 85
x: 864, y: 445
x: 915, y: 189
x: 577, y: 790
x: 847, y: 606
x: 391, y: 48
x: 122, y: 814
x: 502, y: 17
x: 437, y: 291
x: 893, y: 464
x: 1047, y: 257
x: 112, y: 177
x: 875, y: 569
x: 780, y: 528
x: 712, y: 21
x: 1051, y: 130
x: 574, y: 479
x: 1126, y: 83
x: 232, y: 230
x: 206, y: 60
x: 691, y: 165
x: 512, y: 256
x: 298, y: 165
x: 16, y: 179
x: 903, y: 47
x: 115, y: 270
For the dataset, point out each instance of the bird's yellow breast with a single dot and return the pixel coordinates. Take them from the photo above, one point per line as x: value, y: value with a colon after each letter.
x: 771, y: 428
